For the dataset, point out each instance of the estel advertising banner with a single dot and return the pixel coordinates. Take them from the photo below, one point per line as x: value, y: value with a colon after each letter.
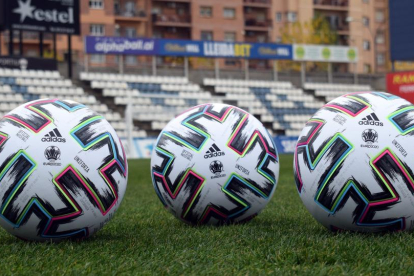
x: 52, y: 16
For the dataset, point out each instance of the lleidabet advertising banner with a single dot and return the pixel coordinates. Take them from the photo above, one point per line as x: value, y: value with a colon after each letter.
x: 402, y: 85
x: 322, y: 53
x: 52, y: 16
x: 215, y: 49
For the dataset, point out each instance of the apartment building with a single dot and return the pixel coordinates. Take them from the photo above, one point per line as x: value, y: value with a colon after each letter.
x: 359, y: 23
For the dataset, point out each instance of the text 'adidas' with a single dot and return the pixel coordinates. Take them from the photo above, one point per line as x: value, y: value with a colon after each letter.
x: 371, y: 120
x: 214, y: 151
x: 54, y: 136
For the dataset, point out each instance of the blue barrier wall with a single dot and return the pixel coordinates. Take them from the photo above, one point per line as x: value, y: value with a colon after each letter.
x: 401, y: 22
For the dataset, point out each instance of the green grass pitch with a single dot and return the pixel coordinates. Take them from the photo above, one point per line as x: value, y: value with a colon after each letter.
x: 145, y: 239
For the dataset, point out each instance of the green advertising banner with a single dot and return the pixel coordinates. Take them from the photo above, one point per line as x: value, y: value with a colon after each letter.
x: 324, y: 53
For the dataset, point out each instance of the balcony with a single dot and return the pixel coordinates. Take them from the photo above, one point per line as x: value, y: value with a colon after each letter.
x: 331, y: 5
x: 30, y: 38
x: 130, y: 15
x: 256, y: 39
x: 257, y: 3
x: 175, y: 20
x: 257, y: 25
x: 177, y: 1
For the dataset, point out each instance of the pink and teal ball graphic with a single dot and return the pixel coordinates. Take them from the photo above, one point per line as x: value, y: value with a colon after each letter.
x: 63, y: 171
x: 354, y: 163
x: 215, y: 164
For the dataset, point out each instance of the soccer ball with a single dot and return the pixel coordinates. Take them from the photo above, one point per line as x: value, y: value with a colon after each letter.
x: 215, y: 164
x: 354, y: 164
x: 63, y: 171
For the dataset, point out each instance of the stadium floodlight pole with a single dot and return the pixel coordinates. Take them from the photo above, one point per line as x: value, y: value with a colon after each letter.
x: 350, y: 20
x: 217, y: 68
x: 154, y: 65
x: 330, y: 78
x: 11, y: 42
x: 246, y: 69
x: 186, y: 74
x: 275, y: 71
x: 21, y: 42
x: 121, y: 64
x: 70, y: 56
x: 303, y: 73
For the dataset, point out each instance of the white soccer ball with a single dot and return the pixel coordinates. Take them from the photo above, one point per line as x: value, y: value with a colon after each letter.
x: 63, y: 171
x: 215, y: 164
x: 354, y: 163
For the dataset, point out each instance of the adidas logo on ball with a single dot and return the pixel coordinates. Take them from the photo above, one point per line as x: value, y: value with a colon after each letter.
x: 214, y: 151
x: 371, y: 120
x: 54, y: 136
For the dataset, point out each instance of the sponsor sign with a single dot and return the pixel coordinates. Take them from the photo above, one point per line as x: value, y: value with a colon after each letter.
x: 185, y: 48
x: 28, y: 63
x: 119, y: 46
x: 215, y: 49
x: 323, y: 53
x: 142, y: 148
x: 401, y: 84
x: 52, y: 16
x: 286, y: 144
x: 2, y: 14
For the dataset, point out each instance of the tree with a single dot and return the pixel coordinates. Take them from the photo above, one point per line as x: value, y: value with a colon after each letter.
x: 317, y: 31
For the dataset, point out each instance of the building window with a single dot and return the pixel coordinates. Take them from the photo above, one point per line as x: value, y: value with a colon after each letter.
x: 380, y: 39
x: 366, y: 45
x: 261, y: 38
x: 379, y: 16
x: 230, y: 36
x: 97, y: 29
x: 98, y: 59
x: 278, y: 39
x: 206, y: 35
x: 229, y: 13
x: 96, y: 4
x: 130, y: 32
x: 117, y: 31
x: 365, y: 1
x: 367, y: 68
x: 232, y: 62
x: 365, y: 21
x: 279, y: 17
x: 292, y: 16
x: 206, y: 11
x: 131, y: 60
x: 130, y: 9
x: 380, y: 59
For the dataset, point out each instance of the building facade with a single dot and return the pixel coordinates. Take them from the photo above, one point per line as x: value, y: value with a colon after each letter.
x: 358, y: 23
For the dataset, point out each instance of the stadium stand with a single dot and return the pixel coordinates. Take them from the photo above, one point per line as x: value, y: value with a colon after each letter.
x: 283, y: 108
x: 155, y: 99
x: 330, y: 91
x: 18, y: 87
